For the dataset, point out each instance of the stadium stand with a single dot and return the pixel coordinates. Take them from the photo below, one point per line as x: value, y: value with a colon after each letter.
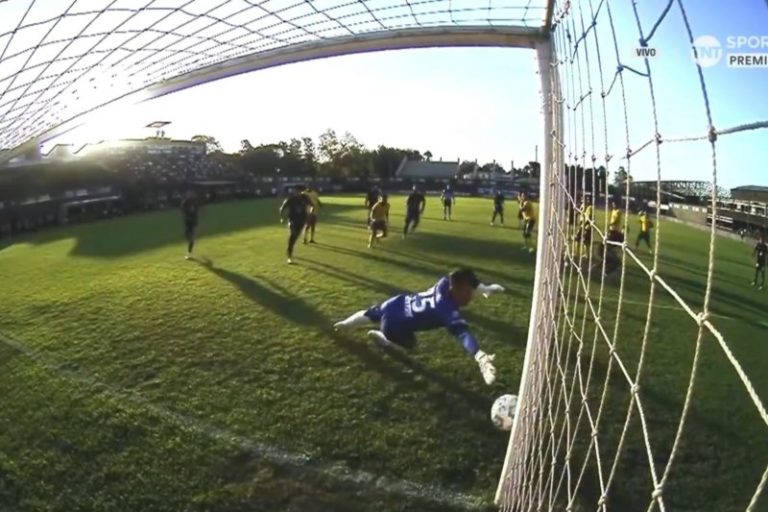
x: 420, y: 169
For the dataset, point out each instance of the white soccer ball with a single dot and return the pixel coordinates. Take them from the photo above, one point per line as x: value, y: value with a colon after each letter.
x: 503, y: 411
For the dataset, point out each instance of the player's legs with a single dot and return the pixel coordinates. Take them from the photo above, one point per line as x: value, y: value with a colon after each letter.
x: 309, y: 229
x: 501, y: 215
x: 759, y: 273
x: 449, y: 207
x: 393, y: 334
x: 189, y: 234
x: 527, y: 232
x: 364, y: 317
x: 295, y: 231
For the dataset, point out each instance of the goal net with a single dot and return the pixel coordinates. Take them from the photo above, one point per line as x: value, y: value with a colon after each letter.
x: 637, y: 393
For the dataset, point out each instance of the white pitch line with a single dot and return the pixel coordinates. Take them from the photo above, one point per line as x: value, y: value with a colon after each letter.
x: 300, y: 462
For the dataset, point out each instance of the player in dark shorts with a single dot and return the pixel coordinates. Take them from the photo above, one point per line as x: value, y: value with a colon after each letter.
x: 295, y: 207
x: 645, y: 231
x: 449, y: 199
x: 371, y: 198
x: 190, y: 208
x: 529, y: 221
x: 379, y: 220
x: 312, y: 212
x: 761, y: 259
x: 414, y: 208
x: 498, y: 207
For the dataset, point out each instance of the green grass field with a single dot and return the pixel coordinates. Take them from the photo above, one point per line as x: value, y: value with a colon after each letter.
x: 135, y: 380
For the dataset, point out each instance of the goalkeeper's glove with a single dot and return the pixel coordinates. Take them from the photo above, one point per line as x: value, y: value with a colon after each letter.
x: 487, y: 289
x: 485, y: 362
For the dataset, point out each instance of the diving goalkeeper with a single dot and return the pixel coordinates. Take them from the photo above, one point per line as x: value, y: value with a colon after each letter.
x: 400, y: 317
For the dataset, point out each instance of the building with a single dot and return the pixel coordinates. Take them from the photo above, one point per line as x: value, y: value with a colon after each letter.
x: 422, y: 170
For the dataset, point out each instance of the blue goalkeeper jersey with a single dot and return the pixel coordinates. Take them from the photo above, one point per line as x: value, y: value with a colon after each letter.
x: 427, y: 310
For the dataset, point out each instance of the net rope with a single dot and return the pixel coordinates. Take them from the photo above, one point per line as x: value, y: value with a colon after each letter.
x: 563, y: 409
x: 59, y: 60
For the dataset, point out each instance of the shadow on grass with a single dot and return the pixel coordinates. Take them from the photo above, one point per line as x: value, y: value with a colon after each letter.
x: 136, y: 233
x: 294, y: 309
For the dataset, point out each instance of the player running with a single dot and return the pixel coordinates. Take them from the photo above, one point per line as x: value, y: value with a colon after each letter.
x: 529, y: 221
x: 400, y: 317
x: 414, y: 208
x: 761, y: 258
x: 645, y: 231
x: 449, y: 199
x: 379, y: 220
x: 371, y: 198
x: 498, y: 208
x: 190, y: 208
x: 312, y: 211
x: 295, y: 207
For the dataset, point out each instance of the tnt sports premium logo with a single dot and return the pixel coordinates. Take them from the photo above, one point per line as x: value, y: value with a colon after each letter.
x: 707, y: 51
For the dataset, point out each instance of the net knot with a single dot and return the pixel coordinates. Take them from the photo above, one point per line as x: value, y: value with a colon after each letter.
x: 635, y: 389
x: 702, y: 317
x: 652, y: 274
x: 656, y: 494
x: 712, y: 135
x: 643, y: 42
x: 602, y: 500
x: 619, y: 68
x: 594, y: 433
x: 658, y: 138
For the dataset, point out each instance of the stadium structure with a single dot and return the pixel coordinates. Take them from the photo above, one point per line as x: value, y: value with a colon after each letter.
x: 59, y: 63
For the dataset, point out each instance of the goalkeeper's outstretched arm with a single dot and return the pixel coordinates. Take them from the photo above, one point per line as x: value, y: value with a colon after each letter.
x: 485, y: 361
x: 489, y: 289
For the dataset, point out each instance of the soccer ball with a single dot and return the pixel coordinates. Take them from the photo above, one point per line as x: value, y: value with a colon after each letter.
x: 503, y: 411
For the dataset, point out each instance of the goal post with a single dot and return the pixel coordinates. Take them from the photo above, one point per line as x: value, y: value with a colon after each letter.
x: 627, y: 351
x: 520, y: 458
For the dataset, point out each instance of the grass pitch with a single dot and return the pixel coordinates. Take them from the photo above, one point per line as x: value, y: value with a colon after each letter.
x: 135, y: 380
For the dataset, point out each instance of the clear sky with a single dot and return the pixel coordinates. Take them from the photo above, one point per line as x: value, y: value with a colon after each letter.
x: 485, y: 103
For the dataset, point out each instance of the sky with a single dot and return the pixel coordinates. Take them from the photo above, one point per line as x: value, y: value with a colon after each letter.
x: 485, y: 104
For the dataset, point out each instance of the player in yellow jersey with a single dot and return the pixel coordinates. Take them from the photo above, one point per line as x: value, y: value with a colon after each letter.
x: 379, y: 220
x: 645, y: 231
x: 529, y: 220
x: 312, y: 211
x: 614, y: 223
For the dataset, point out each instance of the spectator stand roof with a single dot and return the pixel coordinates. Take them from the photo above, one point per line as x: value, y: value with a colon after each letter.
x: 421, y: 169
x: 753, y: 193
x: 62, y: 60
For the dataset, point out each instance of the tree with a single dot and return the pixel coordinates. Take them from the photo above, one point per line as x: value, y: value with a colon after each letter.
x: 211, y: 144
x: 534, y: 169
x: 245, y: 146
x: 466, y: 168
x: 428, y: 155
x: 492, y: 168
x: 621, y: 177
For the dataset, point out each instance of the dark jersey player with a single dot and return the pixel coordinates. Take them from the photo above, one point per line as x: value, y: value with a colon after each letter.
x: 295, y: 208
x: 371, y: 198
x: 414, y: 208
x: 761, y: 259
x: 498, y: 208
x: 400, y: 317
x: 190, y: 209
x: 449, y: 199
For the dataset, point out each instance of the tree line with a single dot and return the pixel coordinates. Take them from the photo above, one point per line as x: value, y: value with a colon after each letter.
x: 336, y: 156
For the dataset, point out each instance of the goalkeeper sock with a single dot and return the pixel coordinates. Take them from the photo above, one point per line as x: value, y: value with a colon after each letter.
x: 356, y: 320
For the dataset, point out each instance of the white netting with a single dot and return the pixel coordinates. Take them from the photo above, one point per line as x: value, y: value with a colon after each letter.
x: 590, y: 433
x: 61, y: 59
